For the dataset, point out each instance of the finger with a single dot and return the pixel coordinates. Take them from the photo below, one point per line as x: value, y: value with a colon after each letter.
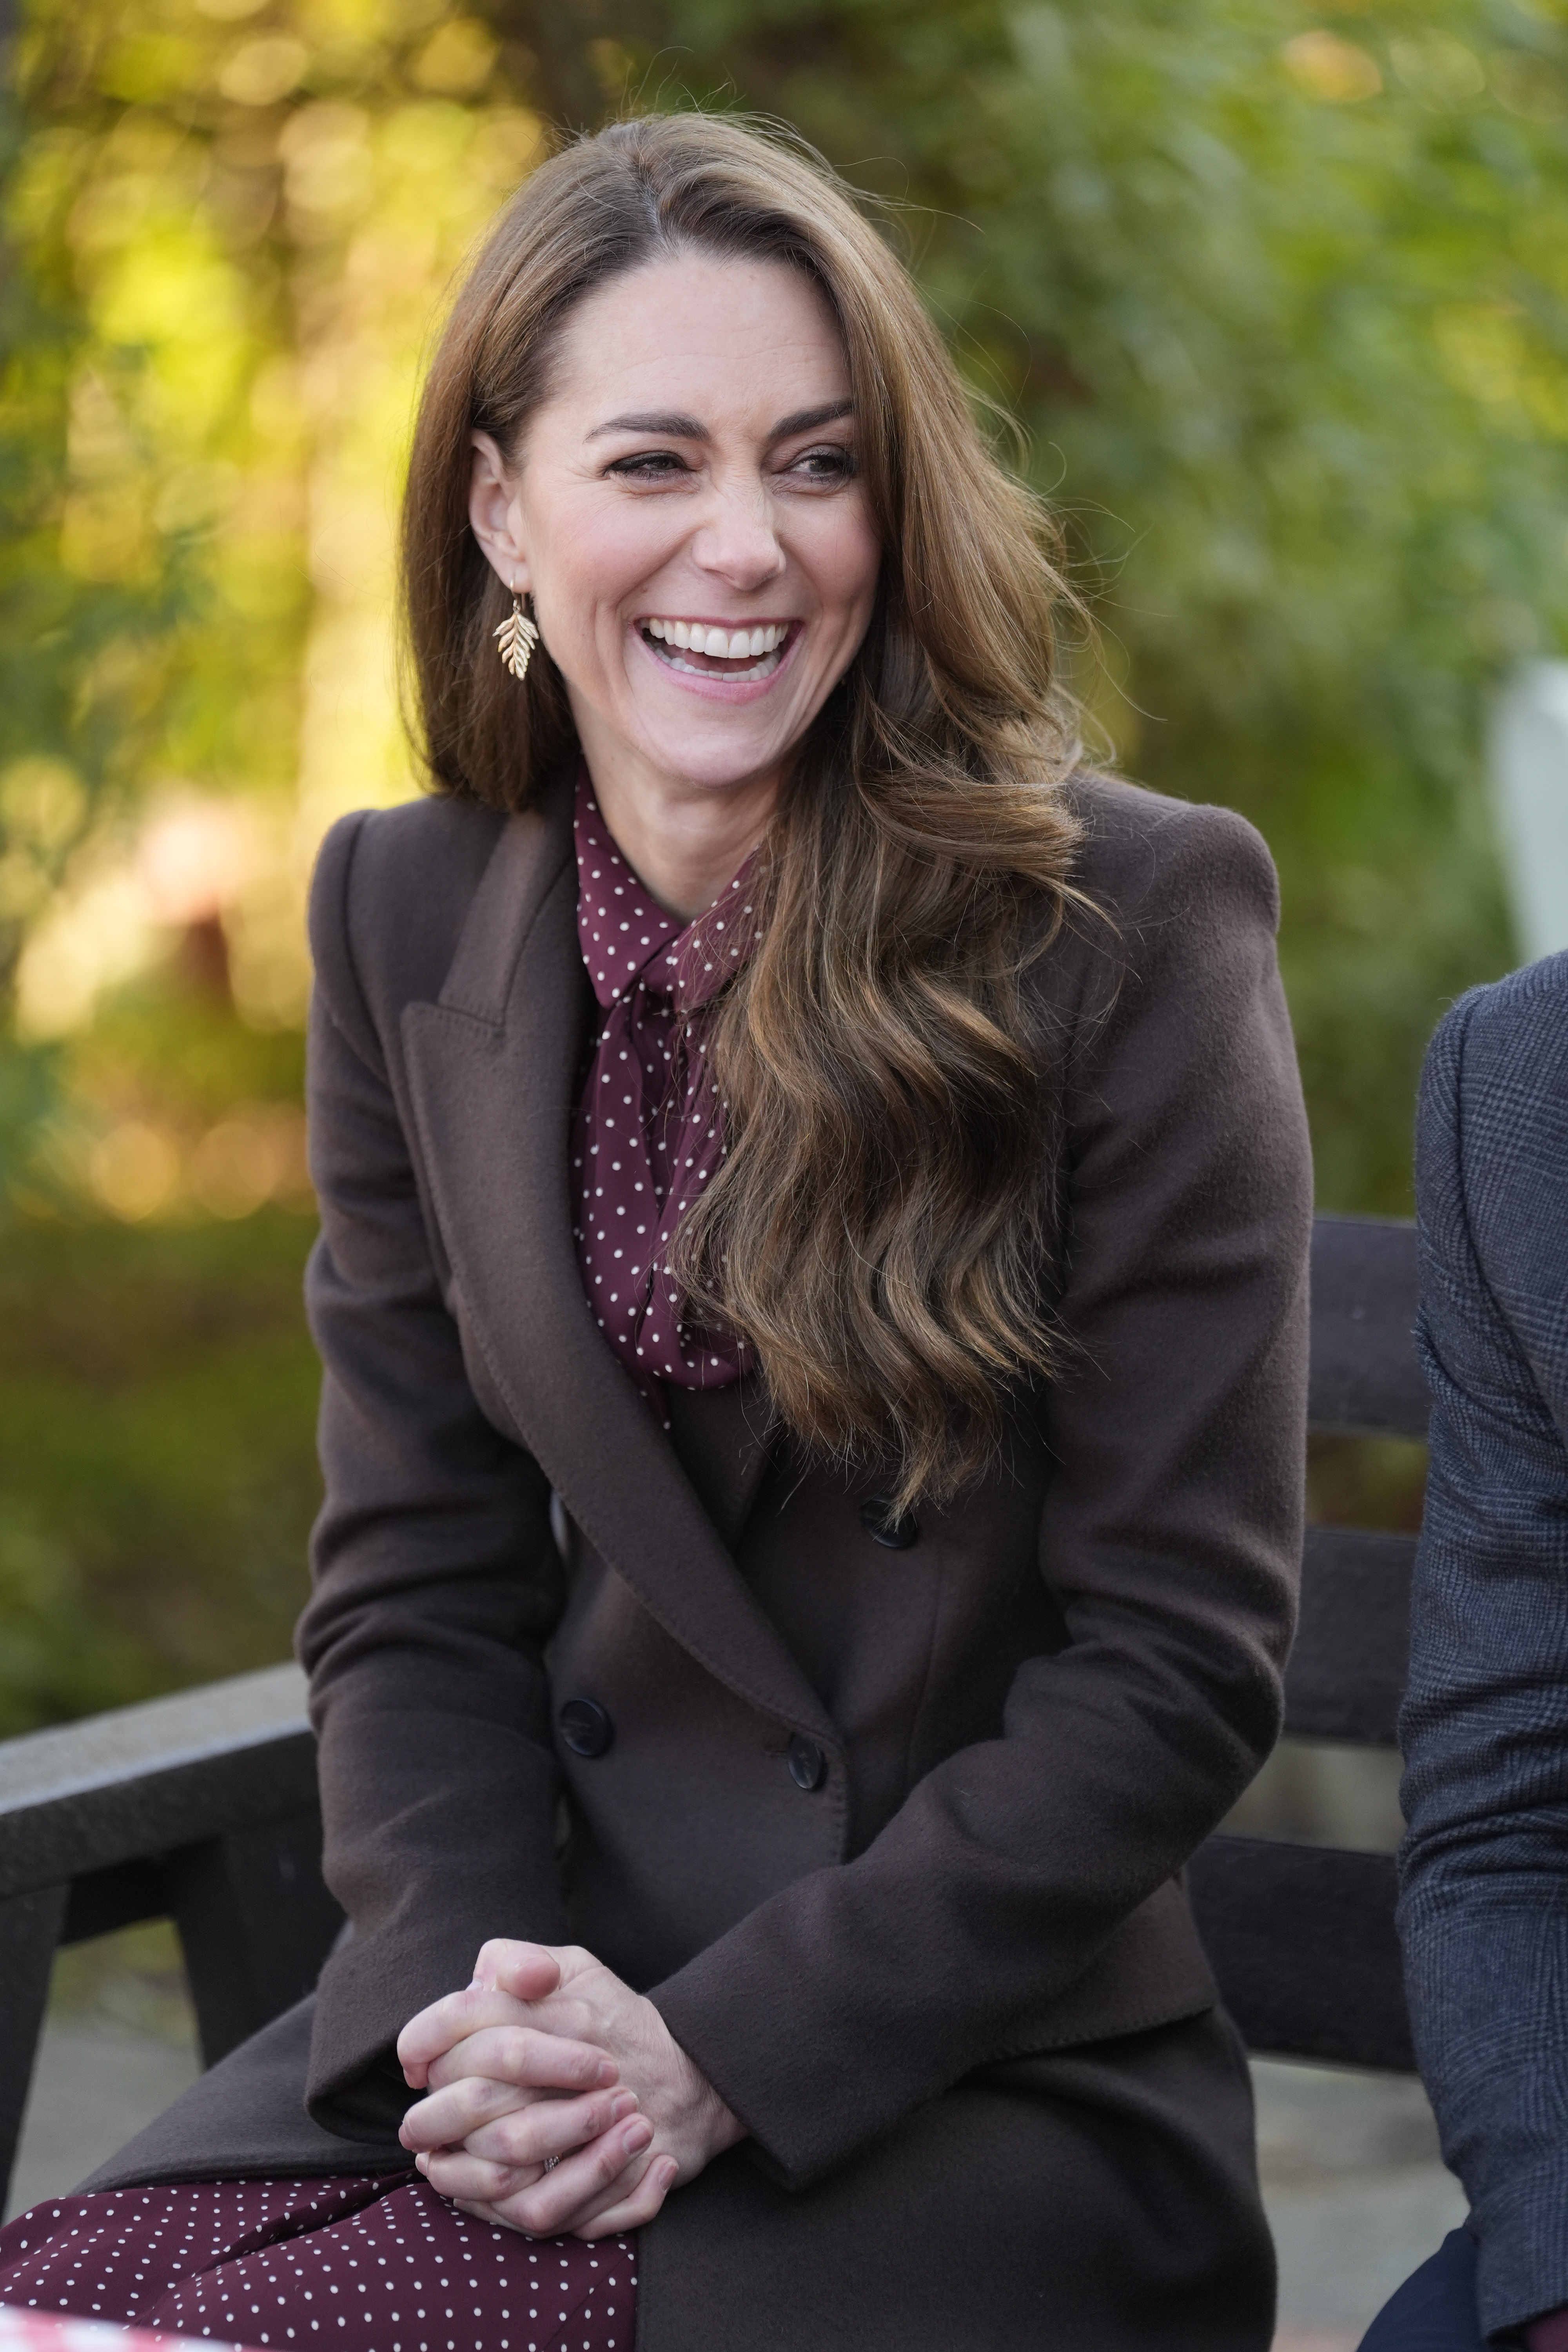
x: 510, y: 2126
x: 436, y: 2032
x: 549, y: 2129
x: 433, y: 2031
x: 522, y: 2054
x: 446, y: 2118
x: 527, y: 1971
x: 631, y: 2213
x: 458, y: 2106
x: 453, y: 2173
x: 578, y: 2184
x: 482, y: 2212
x: 461, y: 2172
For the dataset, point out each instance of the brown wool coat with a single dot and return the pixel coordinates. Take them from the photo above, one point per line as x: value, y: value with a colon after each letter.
x: 953, y: 1989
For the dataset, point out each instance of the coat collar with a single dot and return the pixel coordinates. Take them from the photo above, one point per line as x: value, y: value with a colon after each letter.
x: 491, y: 1073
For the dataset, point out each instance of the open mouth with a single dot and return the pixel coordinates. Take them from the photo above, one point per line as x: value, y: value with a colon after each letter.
x: 709, y: 650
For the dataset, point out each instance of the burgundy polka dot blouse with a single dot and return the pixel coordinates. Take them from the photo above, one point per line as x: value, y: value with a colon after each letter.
x: 648, y: 1135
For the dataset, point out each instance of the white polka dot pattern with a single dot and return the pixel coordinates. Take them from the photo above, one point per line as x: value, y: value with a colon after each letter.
x: 362, y: 2264
x: 648, y: 1135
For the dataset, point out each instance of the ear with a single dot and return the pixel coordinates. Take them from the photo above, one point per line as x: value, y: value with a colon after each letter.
x: 492, y: 514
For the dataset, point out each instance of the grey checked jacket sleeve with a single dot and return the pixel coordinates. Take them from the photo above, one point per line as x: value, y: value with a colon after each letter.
x: 1484, y: 1867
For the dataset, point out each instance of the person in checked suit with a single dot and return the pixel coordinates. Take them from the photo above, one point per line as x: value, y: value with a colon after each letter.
x: 1483, y: 1910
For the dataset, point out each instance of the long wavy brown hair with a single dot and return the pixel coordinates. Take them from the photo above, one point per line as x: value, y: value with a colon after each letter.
x: 882, y: 1231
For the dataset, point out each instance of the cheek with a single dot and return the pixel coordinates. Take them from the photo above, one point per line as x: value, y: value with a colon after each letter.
x: 594, y: 561
x: 845, y: 560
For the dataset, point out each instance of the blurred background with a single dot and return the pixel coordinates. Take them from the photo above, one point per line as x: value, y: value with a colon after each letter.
x: 1277, y: 292
x: 1279, y: 295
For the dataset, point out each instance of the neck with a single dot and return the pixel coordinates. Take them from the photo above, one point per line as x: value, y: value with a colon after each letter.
x: 684, y: 842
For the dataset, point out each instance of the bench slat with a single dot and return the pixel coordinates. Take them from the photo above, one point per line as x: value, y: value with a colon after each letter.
x: 143, y: 1780
x: 1347, y: 1669
x: 1302, y: 1939
x: 1366, y: 1376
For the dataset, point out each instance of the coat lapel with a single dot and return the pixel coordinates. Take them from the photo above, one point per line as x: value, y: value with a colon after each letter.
x: 492, y: 1070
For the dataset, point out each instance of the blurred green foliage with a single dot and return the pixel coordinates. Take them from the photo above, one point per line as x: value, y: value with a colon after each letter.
x: 1278, y: 292
x: 1275, y: 291
x: 157, y: 1395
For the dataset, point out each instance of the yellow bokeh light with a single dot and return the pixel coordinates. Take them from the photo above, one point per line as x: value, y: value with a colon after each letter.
x: 135, y: 1170
x: 1328, y: 68
x: 246, y: 1161
x: 260, y: 72
x: 457, y: 58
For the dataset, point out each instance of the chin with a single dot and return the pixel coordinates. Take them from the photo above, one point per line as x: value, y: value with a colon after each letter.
x: 716, y: 767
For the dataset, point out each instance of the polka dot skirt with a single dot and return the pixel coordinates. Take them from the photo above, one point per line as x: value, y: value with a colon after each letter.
x: 363, y: 2264
x: 648, y: 1136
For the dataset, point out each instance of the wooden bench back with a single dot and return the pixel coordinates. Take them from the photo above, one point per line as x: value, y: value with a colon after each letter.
x: 1302, y: 1938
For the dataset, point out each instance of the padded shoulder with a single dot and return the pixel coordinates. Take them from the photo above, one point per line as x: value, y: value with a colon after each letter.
x: 388, y: 899
x: 1143, y: 853
x: 1171, y: 890
x: 1507, y: 1021
x: 1493, y: 1127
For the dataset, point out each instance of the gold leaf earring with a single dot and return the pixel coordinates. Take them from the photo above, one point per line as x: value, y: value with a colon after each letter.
x: 517, y: 637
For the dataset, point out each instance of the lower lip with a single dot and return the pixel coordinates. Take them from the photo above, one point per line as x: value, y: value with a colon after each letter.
x: 712, y: 687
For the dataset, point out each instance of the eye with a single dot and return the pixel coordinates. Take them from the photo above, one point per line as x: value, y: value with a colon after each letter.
x: 829, y: 465
x: 650, y: 465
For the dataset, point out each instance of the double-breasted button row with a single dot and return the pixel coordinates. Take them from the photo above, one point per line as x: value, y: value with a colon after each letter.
x: 895, y: 1530
x: 588, y: 1731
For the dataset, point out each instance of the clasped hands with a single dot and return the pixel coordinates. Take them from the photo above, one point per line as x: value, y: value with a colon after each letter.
x: 557, y: 2100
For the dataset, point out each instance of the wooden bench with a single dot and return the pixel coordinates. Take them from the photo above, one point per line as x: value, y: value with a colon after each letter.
x: 202, y: 1809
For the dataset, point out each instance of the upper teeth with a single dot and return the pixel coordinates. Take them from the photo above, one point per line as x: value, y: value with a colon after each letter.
x: 732, y: 644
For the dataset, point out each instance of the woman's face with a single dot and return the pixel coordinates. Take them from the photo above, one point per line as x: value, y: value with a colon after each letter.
x: 688, y: 517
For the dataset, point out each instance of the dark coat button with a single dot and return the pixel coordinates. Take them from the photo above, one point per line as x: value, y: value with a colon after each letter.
x: 808, y: 1764
x: 884, y: 1525
x: 586, y: 1727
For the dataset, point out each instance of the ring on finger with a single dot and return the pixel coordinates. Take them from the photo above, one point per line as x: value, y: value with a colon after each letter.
x: 550, y: 2163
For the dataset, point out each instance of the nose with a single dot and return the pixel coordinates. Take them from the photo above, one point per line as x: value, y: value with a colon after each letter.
x: 736, y: 540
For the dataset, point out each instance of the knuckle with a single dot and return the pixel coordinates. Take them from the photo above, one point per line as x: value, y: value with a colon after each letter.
x: 514, y: 2140
x: 515, y: 2051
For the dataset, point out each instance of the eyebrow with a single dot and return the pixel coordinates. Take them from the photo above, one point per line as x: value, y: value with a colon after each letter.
x: 671, y: 425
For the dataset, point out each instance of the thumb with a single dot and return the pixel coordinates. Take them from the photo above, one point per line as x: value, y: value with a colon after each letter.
x: 526, y: 1971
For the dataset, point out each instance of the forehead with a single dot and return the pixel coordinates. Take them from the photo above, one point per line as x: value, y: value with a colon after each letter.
x: 702, y: 334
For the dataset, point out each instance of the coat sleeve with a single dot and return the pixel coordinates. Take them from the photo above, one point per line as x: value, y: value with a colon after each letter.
x: 1484, y: 1869
x: 437, y: 1580
x: 1169, y: 1538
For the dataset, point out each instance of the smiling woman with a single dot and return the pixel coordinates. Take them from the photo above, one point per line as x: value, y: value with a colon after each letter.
x: 815, y: 1201
x: 658, y: 542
